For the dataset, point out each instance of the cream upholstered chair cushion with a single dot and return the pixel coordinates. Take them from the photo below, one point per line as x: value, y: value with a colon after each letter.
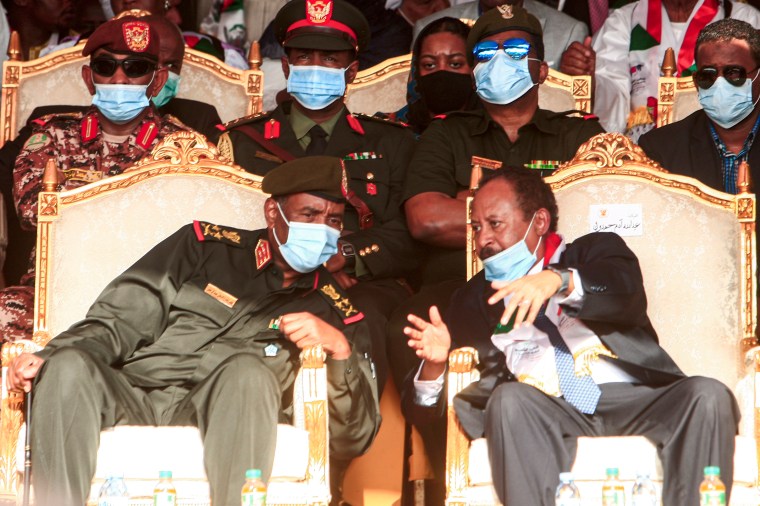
x: 381, y: 88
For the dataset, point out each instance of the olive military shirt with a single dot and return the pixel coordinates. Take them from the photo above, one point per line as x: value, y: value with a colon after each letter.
x: 442, y: 162
x: 376, y: 155
x: 207, y: 293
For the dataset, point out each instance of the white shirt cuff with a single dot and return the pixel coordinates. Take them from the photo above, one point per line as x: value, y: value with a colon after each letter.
x: 575, y: 299
x: 427, y: 393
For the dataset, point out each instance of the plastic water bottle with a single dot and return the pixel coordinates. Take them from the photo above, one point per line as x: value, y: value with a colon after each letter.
x: 255, y: 490
x: 114, y: 491
x: 567, y: 493
x: 712, y: 491
x: 644, y: 492
x: 613, y: 492
x: 165, y: 494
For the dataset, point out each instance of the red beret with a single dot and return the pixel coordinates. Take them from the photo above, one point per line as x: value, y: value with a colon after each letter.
x: 127, y: 35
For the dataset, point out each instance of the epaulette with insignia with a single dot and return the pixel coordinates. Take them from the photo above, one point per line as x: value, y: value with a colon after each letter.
x: 385, y: 121
x: 205, y: 231
x: 245, y: 120
x: 340, y: 302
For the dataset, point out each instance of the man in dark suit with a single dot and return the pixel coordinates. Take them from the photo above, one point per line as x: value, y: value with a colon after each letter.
x: 566, y: 350
x: 710, y: 143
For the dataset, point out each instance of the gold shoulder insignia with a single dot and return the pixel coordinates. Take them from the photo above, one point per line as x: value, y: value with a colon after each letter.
x: 341, y: 304
x: 376, y: 119
x: 209, y: 232
x: 246, y: 119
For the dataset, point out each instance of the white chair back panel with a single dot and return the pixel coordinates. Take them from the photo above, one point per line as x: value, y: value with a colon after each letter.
x: 388, y: 95
x: 202, y: 84
x: 555, y: 99
x: 682, y: 238
x: 62, y: 87
x: 80, y: 240
x: 686, y: 103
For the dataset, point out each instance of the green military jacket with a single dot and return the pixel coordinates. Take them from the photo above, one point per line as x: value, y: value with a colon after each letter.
x: 376, y: 154
x: 442, y: 162
x: 207, y: 293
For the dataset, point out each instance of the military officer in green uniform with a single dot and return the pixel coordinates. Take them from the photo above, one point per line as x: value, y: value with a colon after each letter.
x: 505, y: 49
x: 322, y: 39
x: 205, y: 330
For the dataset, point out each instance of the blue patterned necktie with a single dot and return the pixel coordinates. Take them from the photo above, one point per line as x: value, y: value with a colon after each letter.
x: 581, y: 392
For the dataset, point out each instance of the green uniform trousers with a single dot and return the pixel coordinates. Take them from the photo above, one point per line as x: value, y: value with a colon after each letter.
x: 236, y: 408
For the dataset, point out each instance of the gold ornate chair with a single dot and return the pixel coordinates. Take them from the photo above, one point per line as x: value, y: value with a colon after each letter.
x: 78, y: 254
x: 696, y: 247
x: 383, y: 88
x: 677, y: 96
x: 56, y: 80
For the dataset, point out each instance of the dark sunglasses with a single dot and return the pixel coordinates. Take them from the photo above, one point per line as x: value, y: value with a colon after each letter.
x: 517, y: 49
x: 706, y: 77
x: 133, y: 67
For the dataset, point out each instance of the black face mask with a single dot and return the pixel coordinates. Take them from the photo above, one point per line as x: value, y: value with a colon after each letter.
x: 445, y: 91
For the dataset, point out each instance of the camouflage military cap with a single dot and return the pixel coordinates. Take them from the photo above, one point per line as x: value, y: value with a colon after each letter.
x: 127, y: 35
x: 330, y: 25
x: 500, y: 19
x: 323, y: 176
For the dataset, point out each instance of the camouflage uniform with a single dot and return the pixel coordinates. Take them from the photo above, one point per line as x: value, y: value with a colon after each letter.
x: 82, y: 156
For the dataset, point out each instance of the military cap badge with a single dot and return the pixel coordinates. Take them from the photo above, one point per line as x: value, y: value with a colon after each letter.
x: 136, y: 35
x: 319, y: 11
x: 506, y: 11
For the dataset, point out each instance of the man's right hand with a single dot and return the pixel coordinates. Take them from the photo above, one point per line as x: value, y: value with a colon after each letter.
x: 431, y: 341
x: 22, y: 371
x: 578, y: 59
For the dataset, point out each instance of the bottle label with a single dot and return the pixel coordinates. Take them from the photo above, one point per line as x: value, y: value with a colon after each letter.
x: 164, y: 499
x: 613, y: 498
x: 255, y: 498
x: 712, y: 498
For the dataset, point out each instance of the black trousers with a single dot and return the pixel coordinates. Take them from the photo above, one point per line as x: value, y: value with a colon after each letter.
x: 532, y: 437
x: 236, y: 409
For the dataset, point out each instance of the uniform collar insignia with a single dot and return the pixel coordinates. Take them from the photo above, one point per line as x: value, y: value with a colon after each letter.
x: 262, y: 253
x: 319, y: 11
x: 89, y: 127
x: 354, y: 123
x: 506, y: 11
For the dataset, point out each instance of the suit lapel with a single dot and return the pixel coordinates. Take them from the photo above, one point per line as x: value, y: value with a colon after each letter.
x: 344, y: 139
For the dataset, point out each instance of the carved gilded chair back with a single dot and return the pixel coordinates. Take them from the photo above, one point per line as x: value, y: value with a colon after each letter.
x: 676, y: 96
x: 696, y: 248
x: 56, y: 80
x: 383, y: 87
x: 88, y: 236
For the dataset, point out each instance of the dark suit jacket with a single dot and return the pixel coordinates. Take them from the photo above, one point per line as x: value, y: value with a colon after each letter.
x: 614, y: 307
x: 686, y: 147
x: 199, y: 116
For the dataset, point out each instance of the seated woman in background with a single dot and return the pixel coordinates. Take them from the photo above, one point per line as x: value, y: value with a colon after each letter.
x: 441, y: 79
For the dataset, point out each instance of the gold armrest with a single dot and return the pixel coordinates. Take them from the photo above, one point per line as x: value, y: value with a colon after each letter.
x: 461, y: 373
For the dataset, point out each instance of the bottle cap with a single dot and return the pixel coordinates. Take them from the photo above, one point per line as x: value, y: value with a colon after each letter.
x: 712, y: 471
x: 612, y: 471
x: 164, y: 474
x: 252, y: 474
x: 564, y: 477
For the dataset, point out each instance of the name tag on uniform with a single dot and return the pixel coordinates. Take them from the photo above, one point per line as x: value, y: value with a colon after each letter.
x: 225, y: 298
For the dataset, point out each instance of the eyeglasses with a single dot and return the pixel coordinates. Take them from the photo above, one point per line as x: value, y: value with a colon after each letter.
x: 133, y: 67
x: 517, y: 49
x: 704, y: 78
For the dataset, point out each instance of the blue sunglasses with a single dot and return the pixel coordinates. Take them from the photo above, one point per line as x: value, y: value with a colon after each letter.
x: 517, y: 49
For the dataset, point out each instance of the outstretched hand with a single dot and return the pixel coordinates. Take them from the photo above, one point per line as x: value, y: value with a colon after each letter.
x: 430, y: 340
x: 528, y: 294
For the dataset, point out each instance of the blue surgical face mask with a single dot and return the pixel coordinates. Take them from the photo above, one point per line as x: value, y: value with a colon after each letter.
x: 502, y: 80
x: 512, y: 263
x: 725, y: 103
x: 316, y: 87
x: 169, y: 91
x: 309, y: 245
x: 121, y: 103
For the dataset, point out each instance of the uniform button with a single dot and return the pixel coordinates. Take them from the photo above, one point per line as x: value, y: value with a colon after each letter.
x: 362, y: 253
x: 370, y: 176
x: 375, y: 248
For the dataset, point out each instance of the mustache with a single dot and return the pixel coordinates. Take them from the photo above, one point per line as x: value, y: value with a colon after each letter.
x: 488, y: 251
